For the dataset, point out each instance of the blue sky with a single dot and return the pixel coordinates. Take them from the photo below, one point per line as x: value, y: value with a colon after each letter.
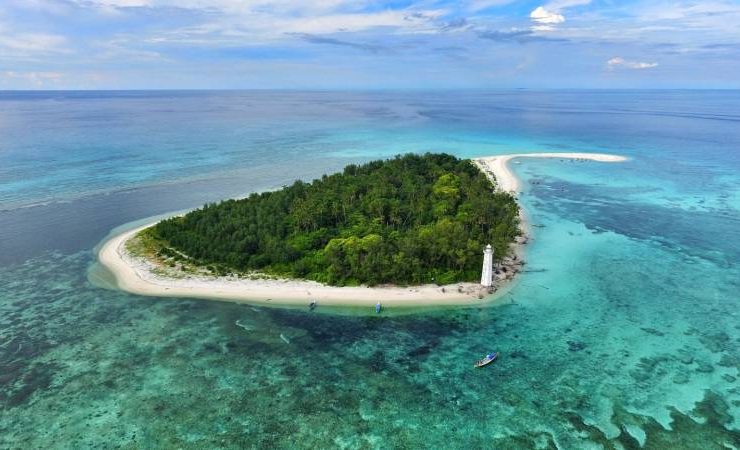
x: 350, y: 44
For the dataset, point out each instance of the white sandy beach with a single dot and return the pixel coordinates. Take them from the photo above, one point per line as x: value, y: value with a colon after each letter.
x: 135, y: 275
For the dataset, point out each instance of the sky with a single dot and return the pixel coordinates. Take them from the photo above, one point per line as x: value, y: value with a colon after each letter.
x: 364, y: 44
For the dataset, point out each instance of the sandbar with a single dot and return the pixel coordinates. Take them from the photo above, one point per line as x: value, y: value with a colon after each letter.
x: 507, y: 181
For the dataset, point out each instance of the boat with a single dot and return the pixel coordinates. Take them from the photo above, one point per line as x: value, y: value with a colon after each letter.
x: 378, y: 307
x: 312, y: 305
x: 487, y: 360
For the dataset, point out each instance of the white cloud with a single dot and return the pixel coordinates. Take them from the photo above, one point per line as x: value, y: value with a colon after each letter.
x: 125, y: 49
x: 268, y: 25
x: 38, y: 79
x: 123, y: 3
x: 551, y: 14
x: 263, y: 21
x: 31, y: 42
x: 544, y: 16
x: 357, y: 22
x: 235, y: 6
x: 264, y: 29
x: 621, y: 62
x: 543, y: 28
x: 709, y: 18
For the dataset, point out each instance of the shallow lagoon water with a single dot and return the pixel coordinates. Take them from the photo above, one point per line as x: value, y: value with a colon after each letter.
x: 622, y: 333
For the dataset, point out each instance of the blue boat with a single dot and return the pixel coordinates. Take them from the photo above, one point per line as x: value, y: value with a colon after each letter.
x: 378, y: 308
x: 487, y: 360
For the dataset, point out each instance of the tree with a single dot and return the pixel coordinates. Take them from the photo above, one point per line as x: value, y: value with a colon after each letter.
x: 403, y: 220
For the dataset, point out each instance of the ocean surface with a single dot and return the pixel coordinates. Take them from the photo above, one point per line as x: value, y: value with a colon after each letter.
x: 623, y: 332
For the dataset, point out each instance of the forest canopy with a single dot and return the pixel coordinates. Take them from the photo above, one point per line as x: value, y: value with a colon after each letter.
x: 413, y: 219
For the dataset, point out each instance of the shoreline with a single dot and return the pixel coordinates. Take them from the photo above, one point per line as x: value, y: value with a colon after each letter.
x: 135, y: 275
x: 497, y: 166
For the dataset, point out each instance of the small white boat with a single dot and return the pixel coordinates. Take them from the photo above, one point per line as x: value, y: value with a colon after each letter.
x: 487, y: 360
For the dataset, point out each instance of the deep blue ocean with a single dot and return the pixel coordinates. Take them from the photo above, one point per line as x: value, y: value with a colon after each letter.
x: 623, y: 331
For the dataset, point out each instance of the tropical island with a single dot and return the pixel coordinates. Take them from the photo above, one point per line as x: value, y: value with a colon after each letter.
x: 405, y: 221
x: 405, y: 231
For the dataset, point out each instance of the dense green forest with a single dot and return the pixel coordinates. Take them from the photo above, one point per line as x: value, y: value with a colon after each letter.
x: 413, y: 219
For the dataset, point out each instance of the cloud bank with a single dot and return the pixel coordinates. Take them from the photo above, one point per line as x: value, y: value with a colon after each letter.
x: 637, y: 65
x: 545, y: 16
x: 368, y: 43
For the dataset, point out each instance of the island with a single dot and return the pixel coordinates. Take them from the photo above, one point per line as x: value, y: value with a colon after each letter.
x: 408, y: 231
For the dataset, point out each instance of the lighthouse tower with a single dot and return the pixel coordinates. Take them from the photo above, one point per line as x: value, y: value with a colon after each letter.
x: 486, y: 278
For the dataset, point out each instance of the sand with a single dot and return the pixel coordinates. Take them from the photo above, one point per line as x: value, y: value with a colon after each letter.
x: 508, y: 182
x: 137, y: 276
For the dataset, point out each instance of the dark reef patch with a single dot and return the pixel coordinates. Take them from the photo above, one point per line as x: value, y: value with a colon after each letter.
x: 605, y: 209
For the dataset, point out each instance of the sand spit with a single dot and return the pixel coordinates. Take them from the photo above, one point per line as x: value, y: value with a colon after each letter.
x: 498, y: 166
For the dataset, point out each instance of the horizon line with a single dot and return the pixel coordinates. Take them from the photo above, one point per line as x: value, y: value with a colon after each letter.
x: 389, y: 89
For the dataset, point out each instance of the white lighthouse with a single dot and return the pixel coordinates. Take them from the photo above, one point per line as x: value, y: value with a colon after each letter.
x: 486, y: 278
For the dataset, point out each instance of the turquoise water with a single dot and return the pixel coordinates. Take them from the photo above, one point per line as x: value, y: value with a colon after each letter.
x: 623, y: 332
